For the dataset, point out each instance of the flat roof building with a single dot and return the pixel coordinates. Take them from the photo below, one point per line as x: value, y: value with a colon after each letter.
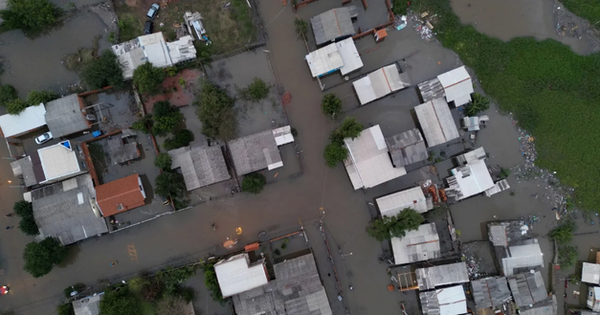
x: 200, y: 165
x: 590, y: 273
x: 120, y: 195
x: 490, y: 292
x: 443, y: 275
x: 457, y: 85
x: 413, y: 198
x: 446, y: 301
x: 342, y: 56
x: 66, y: 116
x: 30, y: 119
x: 419, y: 245
x: 368, y: 163
x: 255, y: 152
x: 334, y: 24
x: 236, y: 274
x: 380, y: 83
x: 471, y: 178
x: 407, y: 148
x: 436, y: 122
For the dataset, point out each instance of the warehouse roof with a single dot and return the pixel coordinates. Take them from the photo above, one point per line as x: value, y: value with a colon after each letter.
x: 333, y: 24
x: 200, y: 165
x: 32, y: 118
x: 447, y: 301
x: 522, y: 258
x: 528, y: 288
x: 490, y: 292
x: 438, y: 276
x: 431, y: 90
x: 436, y: 122
x: 236, y: 274
x: 419, y: 245
x: 64, y: 116
x: 407, y: 147
x: 255, y: 152
x: 413, y: 198
x: 457, y: 86
x: 380, y: 83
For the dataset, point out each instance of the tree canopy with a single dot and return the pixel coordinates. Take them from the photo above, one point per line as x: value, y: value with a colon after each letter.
x: 216, y: 111
x: 563, y: 233
x: 397, y: 226
x: 171, y: 305
x: 121, y: 302
x: 7, y: 94
x: 331, y: 105
x: 34, y: 15
x: 254, y: 183
x: 16, y: 106
x: 27, y: 224
x: 350, y: 128
x: 212, y: 283
x: 170, y: 183
x: 181, y: 138
x: 163, y: 161
x: 35, y: 98
x: 41, y: 257
x: 301, y: 27
x: 256, y: 91
x: 166, y: 118
x: 335, y: 153
x: 147, y: 77
x: 104, y: 71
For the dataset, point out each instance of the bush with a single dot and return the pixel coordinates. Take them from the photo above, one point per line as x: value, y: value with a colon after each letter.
x: 563, y: 234
x: 211, y: 282
x: 41, y: 257
x: 504, y: 172
x: 181, y: 138
x: 331, y: 105
x: 256, y: 91
x: 216, y: 111
x: 479, y: 103
x: 254, y: 183
x: 65, y: 309
x: 170, y: 184
x: 350, y: 128
x: 384, y: 228
x: 166, y: 118
x: 163, y: 161
x: 301, y: 27
x: 138, y: 284
x: 16, y: 106
x: 104, y: 71
x: 35, y: 98
x: 31, y: 15
x: 567, y: 256
x: 334, y: 154
x: 171, y: 305
x: 27, y: 224
x: 144, y: 124
x: 152, y: 291
x: 7, y: 94
x: 147, y: 78
x: 121, y: 302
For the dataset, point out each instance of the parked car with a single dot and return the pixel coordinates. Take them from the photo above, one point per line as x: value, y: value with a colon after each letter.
x: 4, y: 290
x: 153, y: 11
x: 148, y: 27
x: 43, y: 138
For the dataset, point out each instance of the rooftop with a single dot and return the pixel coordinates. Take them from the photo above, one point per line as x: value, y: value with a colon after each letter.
x: 392, y: 204
x: 24, y: 167
x: 324, y: 60
x: 283, y: 135
x: 436, y: 122
x: 422, y: 244
x: 122, y: 147
x: 380, y: 83
x: 457, y: 86
x: 547, y: 307
x: 471, y: 178
x: 120, y: 195
x: 507, y: 232
x: 89, y: 305
x: 407, y: 148
x: 64, y: 210
x: 64, y: 116
x: 32, y: 118
x: 236, y: 274
x: 368, y: 163
x: 490, y: 292
x: 522, y: 258
x: 438, y: 276
x: 590, y: 273
x: 431, y: 90
x: 255, y: 152
x: 58, y: 161
x: 333, y: 24
x: 350, y: 55
x: 200, y: 165
x: 447, y: 301
x: 528, y: 288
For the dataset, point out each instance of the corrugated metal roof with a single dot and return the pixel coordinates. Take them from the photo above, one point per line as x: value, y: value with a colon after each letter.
x: 324, y: 60
x: 255, y: 152
x: 236, y: 275
x: 368, y: 163
x: 457, y: 86
x: 422, y: 244
x: 350, y: 56
x: 490, y: 292
x: 506, y: 233
x: 436, y: 122
x: 380, y: 83
x: 590, y: 273
x: 522, y: 257
x: 407, y: 147
x: 447, y: 301
x: 283, y: 135
x: 431, y: 90
x: 32, y: 118
x: 64, y: 116
x: 200, y: 166
x: 333, y: 24
x: 437, y: 276
x: 528, y: 288
x: 413, y: 198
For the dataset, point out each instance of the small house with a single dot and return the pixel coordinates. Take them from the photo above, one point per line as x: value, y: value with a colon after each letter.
x: 237, y: 274
x: 593, y: 300
x: 446, y: 301
x: 419, y: 245
x: 436, y: 122
x: 120, y: 195
x: 380, y: 83
x: 334, y: 24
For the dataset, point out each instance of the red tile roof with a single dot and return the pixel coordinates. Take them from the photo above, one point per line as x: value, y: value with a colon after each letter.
x: 119, y: 195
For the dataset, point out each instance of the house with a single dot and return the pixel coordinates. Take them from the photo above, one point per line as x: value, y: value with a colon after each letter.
x: 446, y: 301
x: 436, y: 122
x: 154, y: 49
x: 334, y: 24
x: 66, y: 210
x: 590, y: 273
x: 413, y: 198
x: 407, y: 148
x: 475, y: 123
x: 296, y: 290
x: 120, y: 195
x: 528, y: 288
x: 593, y: 300
x: 455, y: 85
x: 200, y: 165
x: 520, y: 258
x: 505, y: 233
x: 237, y: 274
x: 491, y: 292
x: 443, y: 275
x: 66, y: 116
x: 380, y: 83
x: 471, y: 178
x: 259, y: 151
x: 419, y: 245
x: 49, y: 164
x: 122, y: 147
x: 30, y: 119
x: 546, y: 307
x: 342, y: 56
x: 368, y: 163
x: 89, y: 305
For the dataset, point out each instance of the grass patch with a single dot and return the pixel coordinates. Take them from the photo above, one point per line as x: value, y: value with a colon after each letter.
x: 552, y: 91
x: 589, y: 9
x: 129, y: 27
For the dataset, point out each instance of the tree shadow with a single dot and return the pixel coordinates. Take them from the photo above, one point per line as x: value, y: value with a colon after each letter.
x: 71, y: 256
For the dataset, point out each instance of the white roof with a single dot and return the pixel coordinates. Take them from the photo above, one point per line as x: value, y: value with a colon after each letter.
x: 58, y: 161
x: 378, y: 84
x: 473, y: 179
x: 457, y: 86
x: 437, y: 122
x: 419, y: 245
x: 452, y: 300
x: 33, y: 117
x: 325, y: 60
x: 522, y: 256
x: 350, y: 55
x: 181, y: 50
x: 590, y: 273
x: 413, y: 198
x: 283, y: 135
x: 236, y: 275
x: 155, y: 49
x: 368, y: 163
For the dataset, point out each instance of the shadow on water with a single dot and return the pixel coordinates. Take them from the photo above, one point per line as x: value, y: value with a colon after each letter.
x: 72, y: 256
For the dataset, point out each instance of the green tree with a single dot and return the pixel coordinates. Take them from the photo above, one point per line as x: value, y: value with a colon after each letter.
x: 256, y: 91
x: 478, y: 104
x: 171, y: 184
x: 379, y: 228
x: 65, y: 309
x: 254, y: 183
x: 33, y: 15
x: 171, y: 305
x: 147, y: 77
x: 563, y: 234
x: 301, y: 27
x: 181, y: 138
x: 335, y: 153
x: 35, y: 98
x: 215, y: 110
x: 104, y: 71
x: 16, y: 106
x: 350, y: 128
x: 144, y: 124
x: 163, y: 161
x: 27, y: 224
x: 23, y: 208
x: 407, y: 220
x: 331, y: 105
x: 121, y: 302
x: 567, y: 256
x: 138, y: 284
x: 212, y: 283
x: 166, y: 118
x: 41, y: 257
x: 7, y: 94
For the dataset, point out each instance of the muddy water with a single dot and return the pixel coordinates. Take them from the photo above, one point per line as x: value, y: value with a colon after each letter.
x: 35, y: 64
x: 515, y: 18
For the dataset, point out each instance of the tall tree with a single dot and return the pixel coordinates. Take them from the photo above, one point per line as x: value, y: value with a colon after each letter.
x: 41, y: 257
x: 163, y: 161
x: 104, y: 71
x: 331, y: 105
x: 254, y: 183
x: 215, y: 110
x: 147, y: 77
x: 121, y: 302
x: 166, y: 118
x: 170, y: 184
x: 350, y: 128
x: 34, y: 15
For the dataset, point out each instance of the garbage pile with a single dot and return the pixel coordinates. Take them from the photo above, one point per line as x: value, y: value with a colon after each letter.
x: 422, y: 25
x: 472, y: 265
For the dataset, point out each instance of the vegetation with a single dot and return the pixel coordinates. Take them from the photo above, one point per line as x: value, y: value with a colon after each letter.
x: 171, y: 305
x: 35, y: 98
x: 216, y: 111
x: 41, y: 257
x: 567, y: 256
x: 521, y: 75
x: 103, y: 71
x: 504, y: 172
x: 172, y: 279
x: 163, y: 161
x: 147, y: 78
x: 16, y: 106
x: 27, y: 225
x: 588, y: 9
x: 170, y: 184
x: 241, y: 14
x: 400, y: 7
x: 166, y: 118
x: 336, y: 151
x: 397, y: 226
x: 563, y: 234
x: 29, y: 15
x: 331, y: 105
x: 256, y: 91
x: 478, y: 103
x: 301, y: 27
x: 65, y: 309
x: 129, y: 28
x: 254, y: 183
x: 181, y: 138
x: 120, y: 302
x: 211, y: 282
x: 350, y: 128
x: 7, y: 94
x: 144, y: 124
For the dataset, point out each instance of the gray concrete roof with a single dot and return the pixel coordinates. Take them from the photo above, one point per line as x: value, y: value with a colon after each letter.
x: 64, y: 116
x: 431, y: 89
x: 490, y: 292
x: 89, y: 305
x: 333, y: 24
x: 254, y: 152
x: 436, y: 276
x: 24, y: 167
x: 121, y: 152
x: 528, y: 288
x: 200, y: 165
x: 407, y: 147
x: 63, y: 210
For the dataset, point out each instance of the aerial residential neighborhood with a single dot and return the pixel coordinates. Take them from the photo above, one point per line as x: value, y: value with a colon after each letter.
x: 311, y: 157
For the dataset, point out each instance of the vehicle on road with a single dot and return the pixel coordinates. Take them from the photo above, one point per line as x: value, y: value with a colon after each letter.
x: 43, y: 138
x: 148, y: 27
x: 153, y: 11
x: 4, y: 290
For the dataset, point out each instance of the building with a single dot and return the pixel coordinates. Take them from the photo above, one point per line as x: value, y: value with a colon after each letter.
x: 66, y: 116
x: 593, y: 300
x: 440, y: 276
x: 154, y: 49
x: 456, y: 86
x: 475, y: 123
x: 66, y: 210
x: 436, y: 122
x: 296, y: 290
x: 89, y: 305
x: 122, y: 147
x: 407, y: 148
x: 528, y: 288
x: 30, y: 119
x: 200, y: 165
x: 420, y: 245
x: 342, y: 56
x: 522, y: 258
x: 413, y: 198
x: 368, y: 163
x: 491, y: 292
x: 380, y: 83
x: 506, y: 233
x: 237, y: 274
x: 471, y: 177
x: 259, y: 151
x: 120, y: 195
x: 499, y: 186
x: 334, y: 24
x: 590, y: 273
x: 447, y: 301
